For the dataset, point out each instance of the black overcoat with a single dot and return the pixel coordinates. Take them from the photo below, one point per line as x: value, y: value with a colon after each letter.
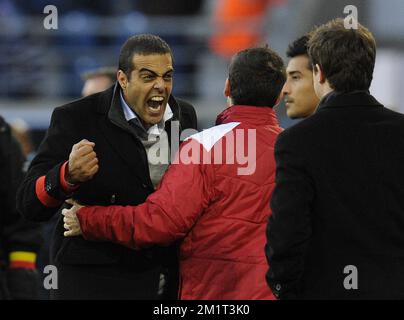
x: 337, y: 228
x: 89, y: 269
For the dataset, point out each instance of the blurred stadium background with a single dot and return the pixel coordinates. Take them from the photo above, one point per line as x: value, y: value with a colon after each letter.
x: 40, y: 69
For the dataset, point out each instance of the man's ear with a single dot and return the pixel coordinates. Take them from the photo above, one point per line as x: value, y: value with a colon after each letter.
x: 227, y: 90
x: 318, y: 73
x: 122, y: 79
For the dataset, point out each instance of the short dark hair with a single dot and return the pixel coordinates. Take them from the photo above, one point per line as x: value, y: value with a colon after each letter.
x: 299, y: 47
x: 109, y: 72
x: 346, y: 56
x: 256, y: 77
x: 142, y: 44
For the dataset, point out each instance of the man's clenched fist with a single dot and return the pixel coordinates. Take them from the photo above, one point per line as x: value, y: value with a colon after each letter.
x: 83, y: 162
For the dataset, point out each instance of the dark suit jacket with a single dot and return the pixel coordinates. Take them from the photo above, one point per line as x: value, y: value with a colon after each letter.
x: 123, y: 179
x: 339, y: 202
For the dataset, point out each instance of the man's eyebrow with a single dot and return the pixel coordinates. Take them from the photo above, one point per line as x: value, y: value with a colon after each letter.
x: 293, y: 72
x: 147, y: 70
x: 169, y: 71
x: 154, y: 73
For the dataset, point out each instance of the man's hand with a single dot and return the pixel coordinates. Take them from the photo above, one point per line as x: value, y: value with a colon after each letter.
x: 83, y: 162
x: 71, y: 222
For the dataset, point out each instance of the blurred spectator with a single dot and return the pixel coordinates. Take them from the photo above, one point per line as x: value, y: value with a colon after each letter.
x: 171, y: 8
x: 98, y: 80
x: 22, y: 134
x: 20, y: 239
x: 238, y: 24
x: 21, y: 131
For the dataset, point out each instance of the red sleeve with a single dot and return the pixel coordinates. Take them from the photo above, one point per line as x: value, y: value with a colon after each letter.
x: 168, y: 214
x: 42, y: 193
x: 43, y: 196
x: 67, y: 187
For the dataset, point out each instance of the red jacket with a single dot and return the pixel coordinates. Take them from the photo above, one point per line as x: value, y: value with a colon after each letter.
x: 219, y: 210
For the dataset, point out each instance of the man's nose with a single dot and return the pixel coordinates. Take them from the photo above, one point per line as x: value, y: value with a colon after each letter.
x: 285, y: 89
x: 159, y: 84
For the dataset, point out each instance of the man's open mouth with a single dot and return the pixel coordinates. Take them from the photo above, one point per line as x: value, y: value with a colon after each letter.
x: 155, y: 104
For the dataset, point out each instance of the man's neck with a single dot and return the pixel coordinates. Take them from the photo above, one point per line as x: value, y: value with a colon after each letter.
x: 147, y: 126
x: 325, y: 90
x: 229, y: 102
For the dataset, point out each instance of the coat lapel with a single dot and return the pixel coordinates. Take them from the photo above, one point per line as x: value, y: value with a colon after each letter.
x: 122, y: 138
x: 128, y: 148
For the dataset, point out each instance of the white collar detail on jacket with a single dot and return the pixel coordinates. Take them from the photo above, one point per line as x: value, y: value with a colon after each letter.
x: 209, y: 137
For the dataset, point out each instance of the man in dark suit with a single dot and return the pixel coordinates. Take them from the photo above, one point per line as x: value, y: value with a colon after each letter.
x: 110, y: 148
x: 337, y: 228
x: 20, y: 240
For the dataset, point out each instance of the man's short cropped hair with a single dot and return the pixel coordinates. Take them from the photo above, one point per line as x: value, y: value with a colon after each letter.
x: 256, y: 77
x: 142, y: 44
x: 299, y: 47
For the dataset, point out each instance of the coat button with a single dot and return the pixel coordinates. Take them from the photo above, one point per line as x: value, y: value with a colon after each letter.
x: 144, y: 186
x: 113, y: 198
x: 278, y: 287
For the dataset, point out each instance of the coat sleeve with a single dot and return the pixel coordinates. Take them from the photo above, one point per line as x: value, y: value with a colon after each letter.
x: 289, y: 227
x: 43, y: 189
x: 167, y: 214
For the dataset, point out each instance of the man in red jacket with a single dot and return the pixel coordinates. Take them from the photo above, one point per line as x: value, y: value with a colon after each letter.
x: 213, y: 197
